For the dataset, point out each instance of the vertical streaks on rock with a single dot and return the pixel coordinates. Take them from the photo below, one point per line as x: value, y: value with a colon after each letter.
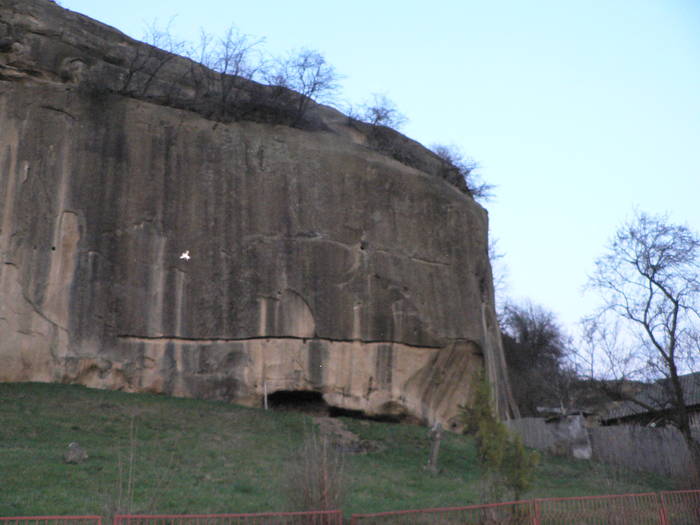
x: 384, y: 366
x: 316, y: 263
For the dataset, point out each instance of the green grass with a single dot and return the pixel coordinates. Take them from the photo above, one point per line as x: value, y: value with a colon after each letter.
x: 193, y: 456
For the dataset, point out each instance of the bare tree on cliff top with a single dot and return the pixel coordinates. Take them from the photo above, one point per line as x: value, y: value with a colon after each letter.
x: 650, y: 282
x: 306, y: 72
x: 146, y: 62
x: 235, y: 62
x: 221, y: 69
x: 380, y: 111
x: 464, y: 167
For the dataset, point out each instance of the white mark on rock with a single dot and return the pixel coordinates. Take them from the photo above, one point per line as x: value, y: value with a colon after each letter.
x: 185, y: 255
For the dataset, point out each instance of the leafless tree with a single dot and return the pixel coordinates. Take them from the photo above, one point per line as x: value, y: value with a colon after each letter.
x: 379, y: 111
x: 309, y: 74
x: 236, y: 62
x: 649, y: 280
x: 221, y: 69
x: 201, y: 71
x: 458, y: 165
x: 147, y: 61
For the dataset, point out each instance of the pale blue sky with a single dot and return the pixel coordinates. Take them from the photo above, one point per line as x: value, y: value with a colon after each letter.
x: 579, y: 111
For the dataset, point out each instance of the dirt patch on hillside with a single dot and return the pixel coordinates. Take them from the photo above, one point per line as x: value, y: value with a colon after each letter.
x: 344, y: 439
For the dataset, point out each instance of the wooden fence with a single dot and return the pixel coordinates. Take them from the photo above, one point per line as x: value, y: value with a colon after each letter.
x: 659, y: 450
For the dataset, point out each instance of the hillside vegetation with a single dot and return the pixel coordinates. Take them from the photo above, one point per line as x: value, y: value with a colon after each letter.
x: 150, y: 453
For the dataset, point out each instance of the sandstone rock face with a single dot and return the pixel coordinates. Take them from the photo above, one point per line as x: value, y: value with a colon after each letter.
x: 316, y: 262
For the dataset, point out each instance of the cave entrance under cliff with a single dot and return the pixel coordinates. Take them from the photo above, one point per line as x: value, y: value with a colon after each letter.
x: 306, y: 401
x: 311, y: 402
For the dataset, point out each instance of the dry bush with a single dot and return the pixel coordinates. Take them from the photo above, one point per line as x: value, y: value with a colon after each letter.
x: 378, y: 111
x: 458, y: 166
x: 316, y: 475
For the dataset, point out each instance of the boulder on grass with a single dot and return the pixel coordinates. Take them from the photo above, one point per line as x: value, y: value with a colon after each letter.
x: 75, y: 454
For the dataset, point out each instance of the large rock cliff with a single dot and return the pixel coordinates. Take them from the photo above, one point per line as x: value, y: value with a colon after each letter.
x: 318, y: 261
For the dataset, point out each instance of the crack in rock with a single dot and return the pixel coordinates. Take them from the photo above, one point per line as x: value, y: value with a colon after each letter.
x: 224, y: 340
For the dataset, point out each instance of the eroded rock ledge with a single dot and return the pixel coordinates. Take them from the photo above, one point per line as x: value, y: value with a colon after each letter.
x: 316, y: 263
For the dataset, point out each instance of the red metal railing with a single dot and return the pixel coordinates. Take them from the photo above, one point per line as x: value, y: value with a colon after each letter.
x: 514, y: 513
x: 681, y: 507
x: 52, y: 520
x: 637, y: 509
x: 666, y: 508
x: 320, y: 517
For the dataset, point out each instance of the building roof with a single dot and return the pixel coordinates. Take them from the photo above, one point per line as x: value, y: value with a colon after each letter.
x: 657, y: 395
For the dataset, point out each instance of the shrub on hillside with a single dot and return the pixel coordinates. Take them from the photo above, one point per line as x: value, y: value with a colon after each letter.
x: 507, y: 468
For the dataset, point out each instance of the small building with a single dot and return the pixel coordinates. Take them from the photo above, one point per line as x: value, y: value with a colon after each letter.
x: 654, y: 408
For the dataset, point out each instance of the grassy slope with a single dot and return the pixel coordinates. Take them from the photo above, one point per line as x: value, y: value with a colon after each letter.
x: 201, y: 456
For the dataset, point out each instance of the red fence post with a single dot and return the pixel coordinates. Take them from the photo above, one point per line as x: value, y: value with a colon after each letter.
x: 663, y: 515
x: 536, y: 512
